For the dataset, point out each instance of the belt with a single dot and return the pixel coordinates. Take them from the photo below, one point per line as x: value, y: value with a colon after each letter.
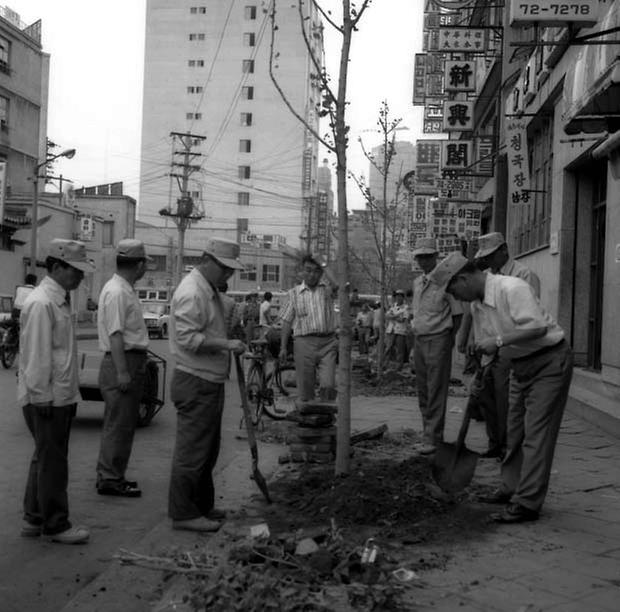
x: 326, y: 335
x: 133, y: 351
x: 539, y: 352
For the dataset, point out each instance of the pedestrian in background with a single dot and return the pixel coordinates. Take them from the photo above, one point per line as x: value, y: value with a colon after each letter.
x: 508, y: 319
x: 251, y: 316
x: 48, y: 391
x: 124, y: 340
x: 199, y: 343
x: 397, y: 318
x: 436, y: 318
x: 265, y: 320
x: 309, y: 315
x: 364, y: 325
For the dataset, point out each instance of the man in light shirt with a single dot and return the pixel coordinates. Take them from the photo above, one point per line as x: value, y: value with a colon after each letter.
x: 398, y: 323
x: 201, y: 348
x: 509, y: 319
x: 309, y: 314
x: 436, y: 318
x: 48, y: 391
x: 123, y: 338
x: 264, y: 316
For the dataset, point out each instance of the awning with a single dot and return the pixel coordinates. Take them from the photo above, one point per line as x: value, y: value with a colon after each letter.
x: 592, y: 84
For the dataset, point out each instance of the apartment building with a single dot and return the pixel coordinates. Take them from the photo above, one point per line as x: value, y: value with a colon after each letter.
x: 253, y: 164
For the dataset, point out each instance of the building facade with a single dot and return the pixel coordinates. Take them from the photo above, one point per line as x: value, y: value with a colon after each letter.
x: 254, y: 164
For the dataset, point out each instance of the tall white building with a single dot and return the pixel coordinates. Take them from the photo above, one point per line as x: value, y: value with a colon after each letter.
x: 207, y: 74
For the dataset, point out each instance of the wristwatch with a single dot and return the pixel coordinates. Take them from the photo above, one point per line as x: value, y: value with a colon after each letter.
x: 499, y: 342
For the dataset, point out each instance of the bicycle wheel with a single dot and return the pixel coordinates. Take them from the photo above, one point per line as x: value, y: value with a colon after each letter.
x: 283, y: 378
x: 254, y: 390
x: 278, y: 401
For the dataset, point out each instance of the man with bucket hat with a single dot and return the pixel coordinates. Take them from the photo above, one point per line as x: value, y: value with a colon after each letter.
x: 201, y: 348
x: 123, y: 338
x: 508, y: 319
x: 48, y: 391
x: 436, y: 318
x: 494, y: 395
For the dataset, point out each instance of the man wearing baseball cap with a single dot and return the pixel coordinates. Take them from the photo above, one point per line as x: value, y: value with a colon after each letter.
x: 48, y: 391
x: 123, y: 338
x: 199, y: 343
x: 436, y: 318
x: 508, y: 319
x: 493, y: 397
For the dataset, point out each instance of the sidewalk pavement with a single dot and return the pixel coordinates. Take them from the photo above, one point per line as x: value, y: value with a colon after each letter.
x: 569, y: 560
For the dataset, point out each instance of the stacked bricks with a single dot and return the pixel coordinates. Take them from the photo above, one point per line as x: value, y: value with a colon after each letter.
x: 312, y: 434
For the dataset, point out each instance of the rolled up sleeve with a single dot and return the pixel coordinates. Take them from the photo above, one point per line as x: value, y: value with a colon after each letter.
x: 189, y: 319
x: 524, y: 308
x: 36, y: 345
x: 288, y: 312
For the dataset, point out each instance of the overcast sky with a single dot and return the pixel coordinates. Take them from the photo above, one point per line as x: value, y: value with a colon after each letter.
x: 97, y: 56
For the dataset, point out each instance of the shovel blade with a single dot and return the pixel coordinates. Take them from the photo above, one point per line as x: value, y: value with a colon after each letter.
x: 453, y: 469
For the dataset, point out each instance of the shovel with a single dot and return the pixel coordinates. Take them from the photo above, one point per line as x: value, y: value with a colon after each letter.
x: 454, y: 464
x: 259, y: 479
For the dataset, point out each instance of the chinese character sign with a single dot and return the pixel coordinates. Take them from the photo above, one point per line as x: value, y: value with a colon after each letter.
x: 456, y: 154
x: 458, y: 116
x: 460, y: 76
x: 2, y: 189
x: 419, y: 79
x: 462, y: 39
x: 518, y: 162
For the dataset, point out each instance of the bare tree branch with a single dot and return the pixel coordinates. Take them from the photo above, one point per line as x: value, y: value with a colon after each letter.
x: 285, y: 99
x: 327, y: 17
x: 364, y: 6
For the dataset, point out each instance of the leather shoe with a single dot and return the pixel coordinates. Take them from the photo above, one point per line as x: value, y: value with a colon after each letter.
x: 499, y: 496
x: 216, y: 514
x: 29, y: 530
x: 120, y: 489
x: 73, y: 535
x: 201, y: 524
x: 426, y: 448
x: 515, y: 513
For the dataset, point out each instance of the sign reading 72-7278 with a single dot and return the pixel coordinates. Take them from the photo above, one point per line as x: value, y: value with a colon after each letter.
x: 552, y: 12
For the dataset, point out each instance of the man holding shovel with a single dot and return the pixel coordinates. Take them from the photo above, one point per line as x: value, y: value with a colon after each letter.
x: 199, y: 343
x: 508, y: 319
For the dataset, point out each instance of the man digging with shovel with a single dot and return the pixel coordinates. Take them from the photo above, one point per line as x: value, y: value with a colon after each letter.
x: 508, y: 318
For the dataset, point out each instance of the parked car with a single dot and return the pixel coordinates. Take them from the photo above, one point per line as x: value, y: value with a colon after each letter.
x: 156, y: 317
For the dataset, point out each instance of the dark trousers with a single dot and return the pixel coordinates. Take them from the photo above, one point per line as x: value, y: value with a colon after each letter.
x: 199, y: 404
x: 433, y: 365
x: 541, y: 385
x: 493, y: 399
x: 46, y: 502
x: 120, y: 416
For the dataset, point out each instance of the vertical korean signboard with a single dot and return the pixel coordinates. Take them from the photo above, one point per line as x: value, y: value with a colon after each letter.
x: 2, y: 189
x: 518, y: 162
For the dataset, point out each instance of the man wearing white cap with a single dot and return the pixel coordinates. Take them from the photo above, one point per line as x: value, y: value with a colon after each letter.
x: 48, y: 391
x: 199, y: 343
x: 510, y: 320
x: 397, y: 318
x: 436, y: 318
x: 123, y: 338
x: 494, y: 395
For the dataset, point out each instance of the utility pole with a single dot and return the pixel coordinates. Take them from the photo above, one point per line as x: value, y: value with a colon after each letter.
x: 185, y: 211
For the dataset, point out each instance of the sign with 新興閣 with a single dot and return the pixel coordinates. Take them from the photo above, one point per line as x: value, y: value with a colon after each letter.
x: 553, y: 13
x: 456, y: 155
x: 458, y: 116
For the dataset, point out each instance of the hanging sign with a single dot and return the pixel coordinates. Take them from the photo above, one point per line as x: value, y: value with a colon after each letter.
x: 460, y: 76
x: 465, y: 40
x: 458, y: 116
x: 518, y: 164
x: 456, y: 154
x: 553, y: 13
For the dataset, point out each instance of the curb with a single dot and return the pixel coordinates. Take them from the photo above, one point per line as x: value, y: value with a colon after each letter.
x: 135, y: 589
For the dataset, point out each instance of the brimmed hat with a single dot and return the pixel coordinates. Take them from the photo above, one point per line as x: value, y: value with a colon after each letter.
x: 425, y: 246
x: 225, y: 252
x: 447, y: 268
x: 71, y: 252
x: 130, y: 248
x: 489, y: 243
x: 399, y: 292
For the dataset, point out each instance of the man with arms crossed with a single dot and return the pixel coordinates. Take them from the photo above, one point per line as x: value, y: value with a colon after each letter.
x: 48, y: 391
x: 199, y: 343
x: 124, y: 339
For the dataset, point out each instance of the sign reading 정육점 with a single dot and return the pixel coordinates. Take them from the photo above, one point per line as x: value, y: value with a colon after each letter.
x: 518, y: 164
x: 553, y: 13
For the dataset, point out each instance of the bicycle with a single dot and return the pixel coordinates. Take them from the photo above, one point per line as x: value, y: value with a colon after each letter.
x: 266, y: 387
x: 9, y: 345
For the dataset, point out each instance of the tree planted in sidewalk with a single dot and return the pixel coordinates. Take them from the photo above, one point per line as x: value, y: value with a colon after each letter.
x: 332, y: 108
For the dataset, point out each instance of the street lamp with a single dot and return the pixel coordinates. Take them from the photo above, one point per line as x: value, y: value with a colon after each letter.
x: 68, y: 153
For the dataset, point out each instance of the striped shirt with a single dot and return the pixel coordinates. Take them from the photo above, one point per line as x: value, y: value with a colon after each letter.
x: 310, y: 311
x: 48, y: 364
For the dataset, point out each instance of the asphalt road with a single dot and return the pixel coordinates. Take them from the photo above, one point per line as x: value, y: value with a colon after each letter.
x: 37, y: 576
